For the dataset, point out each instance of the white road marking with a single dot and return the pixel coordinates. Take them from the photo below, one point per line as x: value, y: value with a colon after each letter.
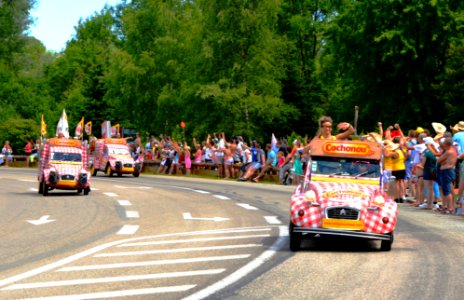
x: 247, y: 206
x: 132, y: 214
x: 91, y: 251
x: 41, y: 220
x: 179, y: 250
x: 154, y: 263
x: 123, y: 293
x: 128, y: 229
x: 124, y: 202
x: 221, y: 197
x: 109, y: 194
x: 46, y: 284
x: 245, y: 270
x: 27, y: 180
x: 133, y: 187
x: 188, y: 216
x: 136, y: 244
x: 95, y: 189
x: 272, y: 220
x: 33, y: 189
x: 201, y: 192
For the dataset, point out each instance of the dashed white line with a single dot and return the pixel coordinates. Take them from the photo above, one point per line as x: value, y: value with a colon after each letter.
x: 33, y: 190
x: 153, y: 263
x: 247, y: 206
x: 124, y: 293
x: 221, y: 197
x: 272, y: 220
x: 46, y: 284
x: 124, y: 202
x: 180, y: 250
x: 109, y: 194
x: 201, y: 192
x: 132, y: 214
x: 128, y: 229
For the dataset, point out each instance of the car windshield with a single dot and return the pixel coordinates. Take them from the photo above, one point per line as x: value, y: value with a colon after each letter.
x: 353, y: 167
x: 62, y: 156
x: 118, y: 151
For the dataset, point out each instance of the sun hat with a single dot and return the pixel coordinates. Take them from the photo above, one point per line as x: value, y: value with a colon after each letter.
x: 438, y: 127
x: 458, y: 127
x: 391, y: 146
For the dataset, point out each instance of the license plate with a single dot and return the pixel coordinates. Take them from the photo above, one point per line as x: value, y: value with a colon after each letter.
x: 342, y: 224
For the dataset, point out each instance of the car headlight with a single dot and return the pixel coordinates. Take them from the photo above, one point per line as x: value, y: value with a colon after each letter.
x: 310, y: 197
x: 379, y: 200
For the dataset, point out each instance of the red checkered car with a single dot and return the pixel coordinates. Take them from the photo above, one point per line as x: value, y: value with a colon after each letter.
x: 342, y: 194
x: 63, y: 165
x: 113, y: 156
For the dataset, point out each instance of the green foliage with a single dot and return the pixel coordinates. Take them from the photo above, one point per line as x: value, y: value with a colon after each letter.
x: 17, y: 131
x: 245, y: 67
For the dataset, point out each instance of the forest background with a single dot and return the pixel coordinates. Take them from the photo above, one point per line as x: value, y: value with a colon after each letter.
x: 245, y: 67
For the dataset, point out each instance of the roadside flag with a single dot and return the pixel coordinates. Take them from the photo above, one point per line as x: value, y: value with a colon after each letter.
x: 43, y: 127
x: 114, y: 130
x: 80, y: 129
x: 63, y: 125
x: 274, y: 143
x: 88, y: 128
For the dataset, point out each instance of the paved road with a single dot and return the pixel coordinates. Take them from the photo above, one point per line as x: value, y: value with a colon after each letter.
x: 173, y: 238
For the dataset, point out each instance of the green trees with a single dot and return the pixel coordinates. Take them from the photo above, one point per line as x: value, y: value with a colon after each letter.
x: 246, y: 67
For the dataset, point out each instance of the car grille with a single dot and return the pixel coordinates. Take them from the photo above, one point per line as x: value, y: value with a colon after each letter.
x: 342, y: 213
x: 67, y: 177
x: 127, y: 165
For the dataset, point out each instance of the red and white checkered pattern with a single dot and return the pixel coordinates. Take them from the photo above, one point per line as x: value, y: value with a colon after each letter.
x: 100, y: 160
x: 336, y: 194
x: 63, y: 168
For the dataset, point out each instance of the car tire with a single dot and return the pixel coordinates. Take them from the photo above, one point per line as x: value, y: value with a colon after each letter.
x: 386, y: 245
x: 44, y: 188
x: 93, y: 171
x: 86, y: 191
x: 136, y: 174
x: 295, y: 238
x: 79, y: 191
x: 108, y: 171
x: 40, y: 188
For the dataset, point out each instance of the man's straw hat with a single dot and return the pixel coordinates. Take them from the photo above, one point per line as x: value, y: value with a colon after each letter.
x: 459, y: 126
x: 438, y: 127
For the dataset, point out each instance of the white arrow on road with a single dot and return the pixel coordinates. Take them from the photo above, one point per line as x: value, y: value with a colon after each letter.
x: 42, y: 220
x: 188, y: 216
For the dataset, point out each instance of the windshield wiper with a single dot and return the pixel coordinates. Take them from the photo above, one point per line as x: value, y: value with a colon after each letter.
x: 363, y: 173
x: 336, y: 173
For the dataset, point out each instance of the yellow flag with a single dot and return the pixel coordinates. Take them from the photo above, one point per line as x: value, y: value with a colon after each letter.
x: 115, y: 130
x: 43, y: 127
x: 88, y: 128
x: 80, y: 128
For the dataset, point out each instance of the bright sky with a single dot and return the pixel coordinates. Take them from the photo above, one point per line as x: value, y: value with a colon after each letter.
x: 54, y: 20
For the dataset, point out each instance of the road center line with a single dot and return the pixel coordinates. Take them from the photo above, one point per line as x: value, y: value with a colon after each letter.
x: 247, y: 206
x: 128, y: 229
x: 272, y: 220
x: 109, y: 194
x: 132, y: 214
x: 201, y: 192
x: 124, y: 202
x: 221, y: 197
x: 153, y: 263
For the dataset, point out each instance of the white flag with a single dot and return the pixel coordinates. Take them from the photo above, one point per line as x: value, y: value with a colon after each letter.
x: 63, y: 125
